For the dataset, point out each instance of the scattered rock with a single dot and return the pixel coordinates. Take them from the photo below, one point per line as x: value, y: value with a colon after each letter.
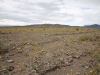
x: 36, y: 74
x: 0, y: 57
x: 7, y: 55
x: 70, y: 59
x: 10, y: 68
x: 77, y: 56
x: 13, y: 48
x: 91, y: 61
x: 10, y: 61
x: 74, y: 65
x: 19, y: 48
x: 67, y: 63
x: 83, y: 54
x: 78, y: 73
x: 61, y: 59
x: 10, y: 74
x: 43, y: 69
x: 33, y: 71
x: 28, y: 43
x: 81, y: 65
x: 7, y: 58
x: 99, y: 43
x: 20, y: 51
x: 86, y: 67
x: 11, y: 54
x: 3, y: 70
x: 72, y: 53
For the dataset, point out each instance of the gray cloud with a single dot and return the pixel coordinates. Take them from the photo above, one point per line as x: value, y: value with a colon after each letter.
x: 52, y: 11
x: 48, y: 6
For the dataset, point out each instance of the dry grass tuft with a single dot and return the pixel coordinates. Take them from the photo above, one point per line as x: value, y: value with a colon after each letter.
x: 2, y: 49
x: 89, y: 37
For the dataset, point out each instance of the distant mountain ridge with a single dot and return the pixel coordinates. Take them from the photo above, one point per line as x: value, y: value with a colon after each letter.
x: 44, y: 26
x: 47, y: 25
x: 92, y: 26
x: 50, y: 25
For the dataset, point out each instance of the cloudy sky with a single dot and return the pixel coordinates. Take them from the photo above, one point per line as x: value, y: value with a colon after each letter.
x: 69, y: 12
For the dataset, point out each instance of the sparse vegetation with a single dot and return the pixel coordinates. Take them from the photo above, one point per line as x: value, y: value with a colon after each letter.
x: 77, y: 29
x: 50, y: 51
x: 92, y: 37
x: 2, y: 48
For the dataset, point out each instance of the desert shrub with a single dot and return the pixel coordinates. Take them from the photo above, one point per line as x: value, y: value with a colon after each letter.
x: 2, y: 49
x: 89, y: 38
x: 96, y: 71
x: 43, y: 29
x: 98, y: 59
x: 77, y: 29
x: 97, y: 55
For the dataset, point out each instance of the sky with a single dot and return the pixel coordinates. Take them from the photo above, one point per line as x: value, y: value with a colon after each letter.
x: 68, y: 12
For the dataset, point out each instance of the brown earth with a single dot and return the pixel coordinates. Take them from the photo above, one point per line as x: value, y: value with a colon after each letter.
x: 50, y: 51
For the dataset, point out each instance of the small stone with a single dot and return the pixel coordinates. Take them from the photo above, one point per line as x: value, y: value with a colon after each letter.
x: 77, y: 56
x: 7, y: 55
x: 20, y: 51
x: 78, y: 73
x: 79, y: 69
x: 81, y: 65
x: 12, y: 54
x: 7, y: 58
x: 10, y: 61
x: 19, y: 48
x: 83, y: 54
x: 86, y: 67
x: 64, y: 69
x: 67, y: 63
x: 91, y: 61
x: 10, y: 74
x: 0, y: 57
x: 4, y: 70
x: 61, y: 59
x: 10, y: 68
x: 13, y: 48
x: 36, y: 74
x: 74, y: 65
x: 33, y: 71
x: 70, y: 59
x: 28, y: 43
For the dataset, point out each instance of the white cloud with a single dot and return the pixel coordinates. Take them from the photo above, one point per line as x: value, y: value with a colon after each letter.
x: 11, y: 22
x: 82, y: 12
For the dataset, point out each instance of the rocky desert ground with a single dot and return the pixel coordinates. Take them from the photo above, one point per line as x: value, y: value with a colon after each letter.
x: 49, y: 51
